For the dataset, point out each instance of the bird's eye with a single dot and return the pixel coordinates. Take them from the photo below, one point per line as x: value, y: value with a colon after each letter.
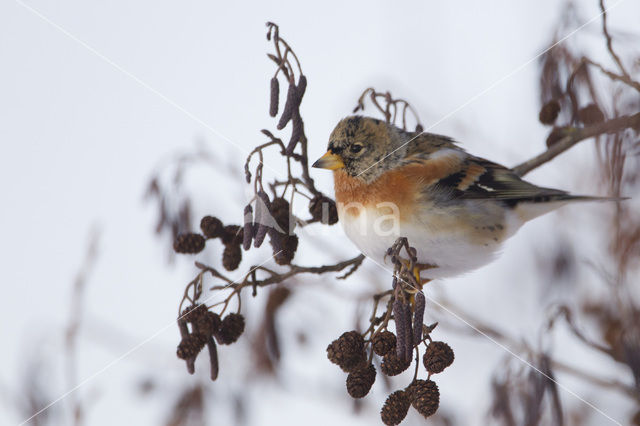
x: 355, y: 148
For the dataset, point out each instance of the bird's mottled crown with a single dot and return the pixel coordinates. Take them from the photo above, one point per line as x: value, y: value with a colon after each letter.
x: 365, y: 145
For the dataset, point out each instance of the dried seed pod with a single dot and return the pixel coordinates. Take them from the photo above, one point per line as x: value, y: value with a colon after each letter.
x: 194, y: 312
x: 211, y: 227
x: 549, y: 112
x: 231, y: 257
x: 392, y: 365
x: 301, y: 88
x: 281, y: 213
x: 323, y: 209
x: 404, y: 333
x: 297, y: 131
x: 274, y: 97
x: 395, y: 408
x: 590, y: 115
x: 261, y: 233
x: 284, y: 247
x: 347, y: 351
x: 556, y: 134
x: 190, y: 346
x: 247, y: 173
x: 290, y: 105
x: 230, y: 329
x: 263, y: 205
x: 398, y: 314
x: 207, y: 324
x: 213, y: 358
x: 189, y: 243
x: 232, y: 234
x: 248, y: 230
x: 408, y: 342
x: 359, y: 381
x: 418, y: 317
x: 425, y: 396
x: 437, y: 357
x: 384, y: 342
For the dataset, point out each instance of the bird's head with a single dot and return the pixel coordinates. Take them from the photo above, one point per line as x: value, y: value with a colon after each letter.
x: 363, y: 147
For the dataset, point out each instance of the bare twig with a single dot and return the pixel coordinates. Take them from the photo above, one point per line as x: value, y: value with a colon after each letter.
x: 71, y: 333
x: 389, y: 107
x: 626, y: 79
x: 275, y: 277
x: 607, y: 36
x: 575, y: 135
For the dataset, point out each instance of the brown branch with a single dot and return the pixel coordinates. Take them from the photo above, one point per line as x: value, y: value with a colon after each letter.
x: 596, y: 380
x: 607, y: 36
x: 564, y: 312
x: 295, y: 270
x: 275, y: 277
x: 388, y: 102
x: 71, y: 332
x: 626, y: 79
x: 575, y: 135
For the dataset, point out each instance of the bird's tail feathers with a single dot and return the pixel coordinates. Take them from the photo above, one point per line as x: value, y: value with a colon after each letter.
x: 531, y: 210
x: 593, y: 198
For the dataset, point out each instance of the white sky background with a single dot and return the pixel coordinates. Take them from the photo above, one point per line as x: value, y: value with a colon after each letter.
x: 79, y: 140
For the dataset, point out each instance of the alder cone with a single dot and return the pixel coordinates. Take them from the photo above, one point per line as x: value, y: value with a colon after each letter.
x: 384, y: 342
x: 211, y: 227
x: 549, y: 112
x: 191, y: 345
x: 359, y: 381
x: 590, y: 115
x: 425, y: 396
x: 395, y: 408
x: 437, y: 357
x: 231, y: 327
x: 231, y: 257
x: 392, y: 365
x: 347, y: 351
x: 316, y: 208
x: 189, y: 243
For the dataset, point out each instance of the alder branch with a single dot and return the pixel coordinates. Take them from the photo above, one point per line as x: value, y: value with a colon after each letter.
x: 626, y: 79
x: 274, y: 277
x: 609, y: 40
x: 575, y: 135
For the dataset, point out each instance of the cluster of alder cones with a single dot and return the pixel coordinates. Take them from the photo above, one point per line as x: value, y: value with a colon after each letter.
x: 207, y: 328
x: 349, y: 353
x: 272, y: 218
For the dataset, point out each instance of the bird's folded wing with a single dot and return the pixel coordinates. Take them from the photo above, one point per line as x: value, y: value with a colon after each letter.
x: 462, y: 176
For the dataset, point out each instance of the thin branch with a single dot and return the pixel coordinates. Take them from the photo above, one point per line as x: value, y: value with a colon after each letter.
x: 275, y: 277
x: 575, y: 135
x: 626, y: 79
x: 73, y: 328
x: 607, y: 36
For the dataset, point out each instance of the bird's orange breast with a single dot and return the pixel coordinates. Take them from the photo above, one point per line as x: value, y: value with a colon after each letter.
x: 401, y: 189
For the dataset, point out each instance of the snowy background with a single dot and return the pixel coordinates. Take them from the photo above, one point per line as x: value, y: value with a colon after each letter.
x: 94, y: 96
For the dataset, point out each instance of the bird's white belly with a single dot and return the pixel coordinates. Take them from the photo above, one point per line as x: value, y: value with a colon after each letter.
x: 453, y: 251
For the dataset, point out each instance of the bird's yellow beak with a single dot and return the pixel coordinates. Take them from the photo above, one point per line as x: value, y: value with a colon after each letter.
x: 329, y: 161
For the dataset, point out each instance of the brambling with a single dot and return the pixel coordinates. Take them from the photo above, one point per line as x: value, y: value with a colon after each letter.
x: 454, y: 208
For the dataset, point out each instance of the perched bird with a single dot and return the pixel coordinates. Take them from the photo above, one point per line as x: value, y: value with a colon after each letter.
x: 454, y: 208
